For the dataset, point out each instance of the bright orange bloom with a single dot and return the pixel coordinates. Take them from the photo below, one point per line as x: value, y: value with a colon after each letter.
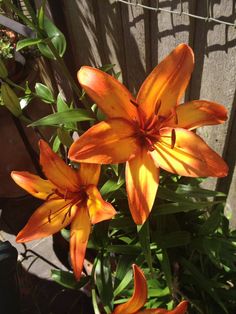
x: 152, y: 131
x: 70, y: 197
x: 139, y: 297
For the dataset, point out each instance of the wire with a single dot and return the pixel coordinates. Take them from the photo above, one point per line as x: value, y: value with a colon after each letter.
x: 181, y: 12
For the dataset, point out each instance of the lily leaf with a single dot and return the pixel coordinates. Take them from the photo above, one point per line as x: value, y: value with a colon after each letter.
x: 44, y: 93
x: 67, y: 279
x: 27, y: 42
x: 55, y: 119
x: 57, y: 38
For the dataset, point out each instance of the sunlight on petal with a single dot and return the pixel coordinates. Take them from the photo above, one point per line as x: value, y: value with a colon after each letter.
x: 180, y: 309
x: 109, y: 94
x: 99, y: 210
x: 167, y: 82
x: 190, y: 156
x: 56, y: 169
x: 80, y: 230
x: 33, y: 184
x: 198, y: 113
x: 142, y: 177
x: 48, y: 219
x: 110, y: 141
x: 89, y: 174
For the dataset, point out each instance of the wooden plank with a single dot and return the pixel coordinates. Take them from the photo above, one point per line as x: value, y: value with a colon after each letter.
x: 14, y: 156
x: 110, y: 35
x: 169, y: 30
x: 215, y: 52
x: 134, y: 25
x: 81, y: 23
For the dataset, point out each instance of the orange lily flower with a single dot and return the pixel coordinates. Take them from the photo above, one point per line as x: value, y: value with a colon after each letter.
x: 71, y: 197
x: 139, y: 297
x: 152, y: 131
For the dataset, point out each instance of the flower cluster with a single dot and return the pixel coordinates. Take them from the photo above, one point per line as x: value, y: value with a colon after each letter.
x: 149, y: 132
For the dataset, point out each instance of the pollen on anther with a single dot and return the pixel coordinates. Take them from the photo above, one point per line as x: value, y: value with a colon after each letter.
x: 173, y: 138
x: 134, y: 103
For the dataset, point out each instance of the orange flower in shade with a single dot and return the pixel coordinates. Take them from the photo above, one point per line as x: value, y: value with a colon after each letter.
x: 71, y: 197
x: 152, y: 131
x: 139, y: 297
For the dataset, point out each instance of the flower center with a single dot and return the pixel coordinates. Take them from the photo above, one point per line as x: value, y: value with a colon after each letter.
x: 148, y: 130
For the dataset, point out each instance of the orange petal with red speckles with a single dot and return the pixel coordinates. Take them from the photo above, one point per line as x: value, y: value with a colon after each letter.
x: 56, y: 169
x: 80, y: 230
x: 142, y: 177
x: 190, y: 155
x: 109, y: 94
x: 108, y: 142
x: 139, y: 297
x: 198, y: 113
x: 99, y: 210
x: 89, y: 174
x: 166, y: 84
x: 33, y: 184
x: 48, y: 219
x: 180, y: 309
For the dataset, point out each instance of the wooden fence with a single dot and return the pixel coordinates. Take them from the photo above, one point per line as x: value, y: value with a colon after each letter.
x: 136, y: 38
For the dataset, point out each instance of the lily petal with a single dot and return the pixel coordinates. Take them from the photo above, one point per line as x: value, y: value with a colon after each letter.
x: 33, y: 184
x: 89, y: 174
x: 80, y: 230
x: 139, y: 297
x: 189, y: 156
x: 198, y: 113
x: 48, y: 219
x: 142, y: 177
x: 56, y: 169
x: 180, y: 309
x: 108, y: 142
x: 99, y: 210
x: 109, y: 94
x: 167, y: 82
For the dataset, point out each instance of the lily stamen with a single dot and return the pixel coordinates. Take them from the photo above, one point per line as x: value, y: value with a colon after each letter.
x: 173, y: 138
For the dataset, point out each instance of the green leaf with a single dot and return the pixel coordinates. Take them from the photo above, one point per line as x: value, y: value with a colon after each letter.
x: 127, y: 277
x: 212, y: 223
x: 144, y: 239
x: 27, y: 42
x: 55, y: 119
x: 124, y: 249
x: 57, y: 38
x: 172, y: 239
x: 166, y: 268
x: 65, y: 234
x: 67, y: 279
x: 203, y: 283
x: 104, y: 282
x: 111, y: 186
x: 61, y: 104
x: 44, y: 93
x: 64, y: 137
x: 106, y: 67
x: 10, y: 100
x: 56, y: 144
x: 123, y: 267
x: 173, y: 208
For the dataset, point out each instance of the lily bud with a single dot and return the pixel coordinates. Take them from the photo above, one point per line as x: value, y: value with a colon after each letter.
x: 10, y: 100
x: 3, y: 70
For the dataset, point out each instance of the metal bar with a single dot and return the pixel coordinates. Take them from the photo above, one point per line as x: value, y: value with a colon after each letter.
x: 16, y: 26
